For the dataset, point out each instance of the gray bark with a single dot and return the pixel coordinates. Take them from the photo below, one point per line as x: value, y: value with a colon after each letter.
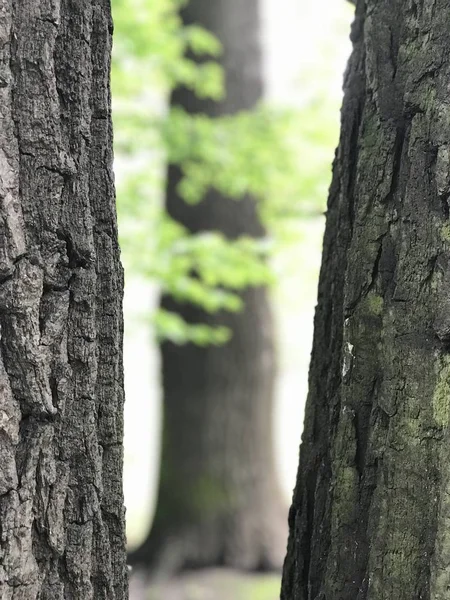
x: 61, y: 390
x: 219, y: 501
x: 370, y: 514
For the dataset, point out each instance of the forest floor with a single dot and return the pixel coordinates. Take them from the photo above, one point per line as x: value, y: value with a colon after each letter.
x: 210, y: 584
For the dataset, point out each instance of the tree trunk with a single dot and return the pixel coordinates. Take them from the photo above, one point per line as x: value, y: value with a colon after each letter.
x: 61, y: 392
x: 219, y: 501
x: 371, y: 513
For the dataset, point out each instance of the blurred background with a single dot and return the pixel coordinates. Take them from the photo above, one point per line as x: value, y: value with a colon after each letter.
x: 226, y: 117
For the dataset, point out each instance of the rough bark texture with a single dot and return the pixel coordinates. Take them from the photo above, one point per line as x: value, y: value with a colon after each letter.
x: 61, y: 393
x: 370, y: 518
x: 219, y: 501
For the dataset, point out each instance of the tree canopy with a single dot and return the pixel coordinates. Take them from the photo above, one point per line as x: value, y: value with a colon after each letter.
x: 277, y: 155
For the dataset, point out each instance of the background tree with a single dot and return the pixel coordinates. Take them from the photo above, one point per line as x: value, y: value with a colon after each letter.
x: 250, y: 152
x: 61, y: 392
x: 281, y: 160
x: 370, y: 512
x: 219, y: 501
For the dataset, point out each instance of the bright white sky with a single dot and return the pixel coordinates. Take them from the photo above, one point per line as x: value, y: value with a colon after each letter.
x: 303, y: 37
x: 306, y: 42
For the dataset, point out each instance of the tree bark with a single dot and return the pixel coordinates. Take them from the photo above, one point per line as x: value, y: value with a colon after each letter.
x: 219, y: 502
x: 371, y: 513
x: 61, y: 389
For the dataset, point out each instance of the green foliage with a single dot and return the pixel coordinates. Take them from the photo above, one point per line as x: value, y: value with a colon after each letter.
x: 150, y: 50
x: 254, y: 152
x: 276, y: 156
x: 206, y: 269
x: 219, y: 584
x: 219, y: 265
x: 170, y: 326
x: 239, y: 154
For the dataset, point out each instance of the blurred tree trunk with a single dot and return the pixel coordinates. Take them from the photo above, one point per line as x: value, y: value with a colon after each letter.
x: 219, y: 502
x: 371, y: 510
x: 61, y: 392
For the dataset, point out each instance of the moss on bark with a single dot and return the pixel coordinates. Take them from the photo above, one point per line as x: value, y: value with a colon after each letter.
x: 370, y: 512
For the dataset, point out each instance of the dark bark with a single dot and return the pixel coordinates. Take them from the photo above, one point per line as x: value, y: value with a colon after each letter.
x: 61, y: 391
x: 219, y: 502
x: 370, y: 514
